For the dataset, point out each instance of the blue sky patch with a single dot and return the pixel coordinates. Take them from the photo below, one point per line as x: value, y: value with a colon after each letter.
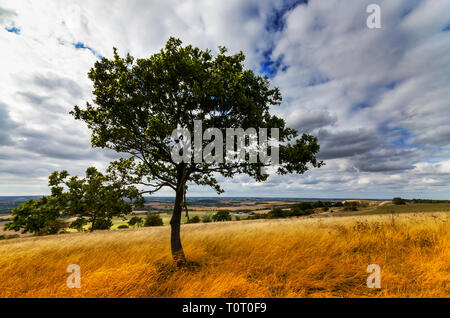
x: 391, y: 85
x: 276, y: 21
x: 82, y: 46
x: 399, y: 135
x: 13, y: 30
x: 447, y: 28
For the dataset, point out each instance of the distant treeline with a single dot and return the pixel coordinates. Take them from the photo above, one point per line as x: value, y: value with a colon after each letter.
x: 400, y: 201
x: 427, y: 201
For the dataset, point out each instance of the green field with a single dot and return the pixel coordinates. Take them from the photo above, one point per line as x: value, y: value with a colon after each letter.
x: 389, y: 209
x: 413, y: 208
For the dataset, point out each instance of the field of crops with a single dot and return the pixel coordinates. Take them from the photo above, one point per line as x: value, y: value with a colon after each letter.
x: 296, y: 257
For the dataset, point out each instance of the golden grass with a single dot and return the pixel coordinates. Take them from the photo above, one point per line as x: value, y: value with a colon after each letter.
x: 309, y: 257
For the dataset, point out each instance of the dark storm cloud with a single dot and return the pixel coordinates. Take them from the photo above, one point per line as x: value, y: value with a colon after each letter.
x: 308, y: 121
x: 346, y: 143
x: 387, y: 159
x: 366, y: 151
x: 55, y: 145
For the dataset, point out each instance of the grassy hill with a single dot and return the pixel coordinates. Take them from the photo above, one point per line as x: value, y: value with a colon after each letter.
x: 299, y: 257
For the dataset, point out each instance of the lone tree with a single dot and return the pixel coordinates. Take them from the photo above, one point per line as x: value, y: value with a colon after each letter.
x: 139, y: 102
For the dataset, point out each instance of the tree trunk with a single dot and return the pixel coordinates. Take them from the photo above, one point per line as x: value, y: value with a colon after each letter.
x: 175, y: 223
x: 93, y: 223
x: 185, y: 204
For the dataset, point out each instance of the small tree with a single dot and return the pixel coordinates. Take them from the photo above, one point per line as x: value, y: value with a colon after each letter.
x: 398, y: 201
x: 222, y: 215
x: 95, y: 199
x: 38, y: 217
x: 153, y: 220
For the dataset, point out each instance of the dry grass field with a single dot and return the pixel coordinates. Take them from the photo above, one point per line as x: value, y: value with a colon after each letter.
x: 302, y: 257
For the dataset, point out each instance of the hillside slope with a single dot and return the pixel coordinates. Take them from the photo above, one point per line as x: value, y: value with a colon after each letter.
x: 305, y: 257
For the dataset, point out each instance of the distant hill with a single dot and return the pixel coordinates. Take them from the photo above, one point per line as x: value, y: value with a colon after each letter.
x: 10, y: 202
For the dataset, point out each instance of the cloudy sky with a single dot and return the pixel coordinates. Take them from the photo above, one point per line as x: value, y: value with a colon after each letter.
x: 378, y: 99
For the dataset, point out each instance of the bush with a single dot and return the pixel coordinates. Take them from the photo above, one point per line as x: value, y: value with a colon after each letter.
x: 351, y: 206
x: 136, y: 221
x: 304, y: 208
x: 318, y: 204
x: 398, y: 201
x: 206, y: 218
x: 295, y: 211
x: 123, y: 226
x: 102, y: 224
x: 277, y: 213
x: 325, y: 209
x: 222, y: 215
x: 194, y: 219
x: 153, y: 220
x: 338, y: 204
x: 256, y: 216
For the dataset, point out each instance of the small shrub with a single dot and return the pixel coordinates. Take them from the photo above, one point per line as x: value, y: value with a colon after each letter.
x: 303, y: 206
x: 301, y: 209
x: 194, y: 219
x: 206, y: 218
x: 351, y: 206
x: 153, y: 220
x: 136, y: 221
x: 277, y: 213
x: 398, y: 201
x: 256, y: 216
x: 222, y: 215
x: 102, y: 224
x: 318, y: 204
x: 325, y: 209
